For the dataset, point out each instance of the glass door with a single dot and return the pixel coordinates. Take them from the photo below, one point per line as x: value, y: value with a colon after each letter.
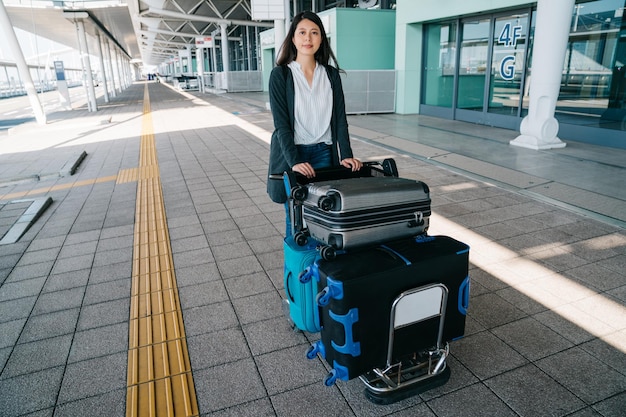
x: 507, y: 65
x: 473, y: 68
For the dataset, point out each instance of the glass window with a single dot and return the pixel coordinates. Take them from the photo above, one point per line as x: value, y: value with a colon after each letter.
x: 440, y: 64
x: 593, y: 84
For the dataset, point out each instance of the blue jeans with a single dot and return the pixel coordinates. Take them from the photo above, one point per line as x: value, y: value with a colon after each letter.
x: 319, y: 156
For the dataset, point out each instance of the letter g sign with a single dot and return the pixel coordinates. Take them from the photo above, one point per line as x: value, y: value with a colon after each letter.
x: 507, y: 67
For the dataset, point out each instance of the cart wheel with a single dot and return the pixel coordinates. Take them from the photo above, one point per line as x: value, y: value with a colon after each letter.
x: 311, y: 352
x: 300, y: 238
x: 330, y: 379
x: 322, y: 298
x: 328, y: 253
x: 299, y: 193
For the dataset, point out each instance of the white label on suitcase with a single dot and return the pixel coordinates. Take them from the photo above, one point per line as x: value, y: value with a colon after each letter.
x: 418, y: 305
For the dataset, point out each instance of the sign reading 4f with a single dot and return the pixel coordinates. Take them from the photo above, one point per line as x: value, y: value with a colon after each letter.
x: 510, y: 34
x: 508, y: 37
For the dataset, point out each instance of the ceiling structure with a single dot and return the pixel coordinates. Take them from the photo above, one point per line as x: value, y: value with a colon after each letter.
x: 147, y: 31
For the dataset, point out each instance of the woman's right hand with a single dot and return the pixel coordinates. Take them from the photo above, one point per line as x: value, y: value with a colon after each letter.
x: 305, y: 169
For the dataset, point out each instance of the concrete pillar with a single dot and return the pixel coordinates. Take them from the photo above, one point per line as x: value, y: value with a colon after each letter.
x: 225, y: 60
x: 84, y: 53
x: 102, y: 70
x: 107, y: 51
x: 200, y: 59
x: 539, y: 128
x: 279, y: 35
x: 22, y: 67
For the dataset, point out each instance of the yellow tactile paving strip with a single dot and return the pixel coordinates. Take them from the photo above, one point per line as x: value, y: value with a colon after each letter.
x: 160, y: 382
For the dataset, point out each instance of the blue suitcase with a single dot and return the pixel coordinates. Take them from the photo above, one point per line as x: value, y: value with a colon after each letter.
x: 301, y: 296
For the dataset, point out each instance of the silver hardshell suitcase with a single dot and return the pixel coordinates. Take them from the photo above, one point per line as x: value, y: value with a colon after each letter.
x: 355, y: 212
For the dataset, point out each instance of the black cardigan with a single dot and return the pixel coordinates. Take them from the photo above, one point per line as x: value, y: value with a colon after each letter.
x: 283, y: 151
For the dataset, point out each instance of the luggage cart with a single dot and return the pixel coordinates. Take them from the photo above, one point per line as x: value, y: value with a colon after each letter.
x: 408, y: 375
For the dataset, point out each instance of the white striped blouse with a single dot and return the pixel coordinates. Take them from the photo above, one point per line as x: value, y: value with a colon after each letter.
x: 313, y: 106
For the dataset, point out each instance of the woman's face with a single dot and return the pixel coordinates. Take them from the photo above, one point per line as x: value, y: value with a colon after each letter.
x: 307, y: 38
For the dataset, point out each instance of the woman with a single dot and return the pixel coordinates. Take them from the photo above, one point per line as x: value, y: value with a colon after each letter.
x: 308, y: 107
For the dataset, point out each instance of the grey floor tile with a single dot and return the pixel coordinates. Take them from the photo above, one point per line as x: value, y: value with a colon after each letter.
x: 247, y: 285
x: 531, y: 339
x: 216, y: 348
x: 475, y: 400
x: 110, y: 404
x: 584, y: 375
x: 193, y: 257
x: 101, y: 341
x: 239, y: 383
x: 613, y: 406
x: 83, y: 248
x: 66, y: 280
x: 37, y: 356
x: 257, y: 408
x: 26, y: 288
x: 93, y: 377
x: 49, y: 325
x: 10, y: 331
x: 237, y: 267
x: 202, y: 294
x: 313, y: 400
x: 197, y: 274
x: 530, y: 392
x: 103, y: 314
x: 107, y: 291
x: 209, y: 318
x: 29, y: 393
x: 286, y: 369
x: 485, y: 355
x: 16, y: 309
x: 110, y: 272
x: 269, y: 335
x: 491, y: 310
x: 59, y: 300
x: 26, y: 272
x: 258, y: 307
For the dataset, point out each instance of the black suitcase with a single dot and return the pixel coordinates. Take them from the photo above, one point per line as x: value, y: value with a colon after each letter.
x: 360, y: 290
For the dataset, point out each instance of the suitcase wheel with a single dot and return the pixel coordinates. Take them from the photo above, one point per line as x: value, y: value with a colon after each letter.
x: 327, y: 202
x: 328, y: 253
x: 299, y: 193
x: 330, y: 379
x: 300, y: 238
x: 314, y: 349
x: 305, y: 276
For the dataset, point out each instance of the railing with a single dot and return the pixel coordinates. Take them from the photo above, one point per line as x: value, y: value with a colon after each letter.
x: 369, y: 91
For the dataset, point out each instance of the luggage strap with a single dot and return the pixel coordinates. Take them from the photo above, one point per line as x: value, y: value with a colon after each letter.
x: 396, y: 254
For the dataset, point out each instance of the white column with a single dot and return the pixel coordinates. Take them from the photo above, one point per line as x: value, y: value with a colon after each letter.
x: 116, y: 68
x: 107, y: 50
x: 224, y: 44
x: 539, y: 129
x: 200, y: 59
x: 104, y: 76
x: 22, y: 67
x: 84, y: 52
x: 279, y: 36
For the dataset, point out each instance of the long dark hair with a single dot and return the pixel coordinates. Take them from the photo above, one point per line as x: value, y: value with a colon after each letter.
x: 288, y: 50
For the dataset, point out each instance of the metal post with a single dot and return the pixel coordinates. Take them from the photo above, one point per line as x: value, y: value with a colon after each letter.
x: 22, y: 67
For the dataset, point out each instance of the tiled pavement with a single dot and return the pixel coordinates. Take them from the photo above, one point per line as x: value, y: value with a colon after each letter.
x: 546, y: 329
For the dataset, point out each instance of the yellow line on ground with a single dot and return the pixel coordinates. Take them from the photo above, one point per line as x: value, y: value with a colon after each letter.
x: 58, y: 187
x: 159, y: 377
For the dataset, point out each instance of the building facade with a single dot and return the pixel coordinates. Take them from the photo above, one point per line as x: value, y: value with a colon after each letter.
x: 473, y: 61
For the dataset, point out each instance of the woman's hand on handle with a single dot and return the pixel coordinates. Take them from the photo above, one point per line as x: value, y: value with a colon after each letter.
x: 352, y: 163
x: 305, y: 169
